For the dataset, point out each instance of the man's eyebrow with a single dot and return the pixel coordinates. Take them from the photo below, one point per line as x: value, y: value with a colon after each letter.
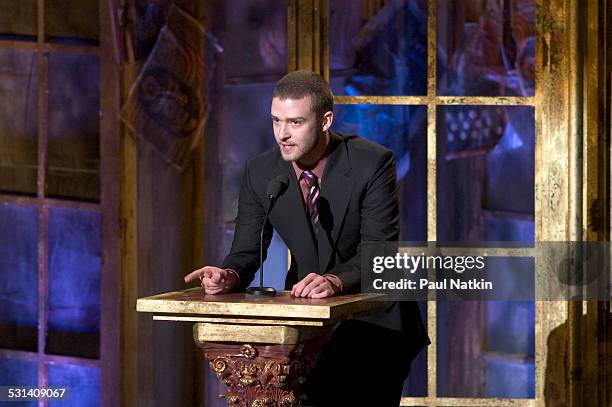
x: 289, y: 118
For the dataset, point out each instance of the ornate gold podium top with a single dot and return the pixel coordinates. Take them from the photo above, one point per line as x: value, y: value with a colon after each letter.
x: 283, y: 309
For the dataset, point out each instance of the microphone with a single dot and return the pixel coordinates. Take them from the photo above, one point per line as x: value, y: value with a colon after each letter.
x: 275, y: 188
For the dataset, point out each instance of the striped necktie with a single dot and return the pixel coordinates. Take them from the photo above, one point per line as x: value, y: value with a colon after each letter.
x: 312, y: 201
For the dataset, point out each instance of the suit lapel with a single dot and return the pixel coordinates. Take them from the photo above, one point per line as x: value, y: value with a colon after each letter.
x: 336, y: 188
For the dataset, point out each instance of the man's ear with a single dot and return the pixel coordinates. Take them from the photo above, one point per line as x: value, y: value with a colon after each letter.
x: 328, y: 118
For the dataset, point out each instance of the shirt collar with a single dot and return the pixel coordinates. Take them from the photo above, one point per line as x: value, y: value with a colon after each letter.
x: 318, y: 169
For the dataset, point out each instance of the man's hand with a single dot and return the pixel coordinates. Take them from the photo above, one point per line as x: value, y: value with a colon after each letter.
x: 316, y: 286
x: 214, y: 280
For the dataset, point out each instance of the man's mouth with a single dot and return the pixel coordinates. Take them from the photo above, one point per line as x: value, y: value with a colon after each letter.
x: 286, y: 147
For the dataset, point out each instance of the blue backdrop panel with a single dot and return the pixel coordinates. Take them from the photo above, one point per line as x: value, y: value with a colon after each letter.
x: 14, y: 372
x: 18, y: 265
x: 387, y: 55
x: 82, y: 383
x: 74, y: 270
x: 403, y: 130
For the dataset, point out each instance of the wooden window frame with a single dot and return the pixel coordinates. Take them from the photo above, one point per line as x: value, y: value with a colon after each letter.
x: 107, y: 207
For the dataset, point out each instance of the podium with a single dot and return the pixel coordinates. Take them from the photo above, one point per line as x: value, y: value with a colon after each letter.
x: 261, y: 347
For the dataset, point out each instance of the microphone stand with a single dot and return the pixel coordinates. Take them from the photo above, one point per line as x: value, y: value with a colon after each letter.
x: 261, y: 290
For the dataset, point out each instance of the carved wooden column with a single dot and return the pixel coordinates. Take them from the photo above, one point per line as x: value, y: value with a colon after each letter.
x: 262, y: 374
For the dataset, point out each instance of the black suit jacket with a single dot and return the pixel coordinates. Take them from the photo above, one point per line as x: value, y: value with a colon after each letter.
x: 358, y: 201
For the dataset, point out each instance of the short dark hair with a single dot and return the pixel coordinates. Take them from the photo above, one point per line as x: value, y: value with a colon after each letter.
x: 302, y: 83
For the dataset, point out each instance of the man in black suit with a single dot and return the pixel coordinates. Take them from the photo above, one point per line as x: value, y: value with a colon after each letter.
x: 342, y: 191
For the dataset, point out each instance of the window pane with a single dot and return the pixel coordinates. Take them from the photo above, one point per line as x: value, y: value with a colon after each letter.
x: 74, y: 282
x: 82, y: 382
x: 74, y: 20
x: 18, y: 121
x: 15, y: 372
x: 18, y: 18
x: 487, y: 348
x: 256, y: 43
x: 511, y: 316
x: 378, y: 48
x: 18, y: 277
x: 74, y: 126
x: 402, y: 129
x: 486, y: 48
x: 486, y: 169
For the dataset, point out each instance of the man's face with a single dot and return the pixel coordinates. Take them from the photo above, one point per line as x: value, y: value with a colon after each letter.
x: 296, y: 128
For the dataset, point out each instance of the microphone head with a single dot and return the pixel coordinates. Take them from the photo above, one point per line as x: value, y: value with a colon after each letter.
x: 277, y: 186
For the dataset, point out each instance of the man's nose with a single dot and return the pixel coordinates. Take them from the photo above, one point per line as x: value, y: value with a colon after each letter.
x: 284, y: 133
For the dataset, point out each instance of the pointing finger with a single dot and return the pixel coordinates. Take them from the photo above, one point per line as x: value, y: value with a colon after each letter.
x: 193, y: 275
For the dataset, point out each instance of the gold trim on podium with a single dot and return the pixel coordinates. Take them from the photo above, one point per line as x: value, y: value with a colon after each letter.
x: 270, y: 334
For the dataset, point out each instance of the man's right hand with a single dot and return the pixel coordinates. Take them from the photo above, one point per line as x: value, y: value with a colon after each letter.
x: 214, y: 280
